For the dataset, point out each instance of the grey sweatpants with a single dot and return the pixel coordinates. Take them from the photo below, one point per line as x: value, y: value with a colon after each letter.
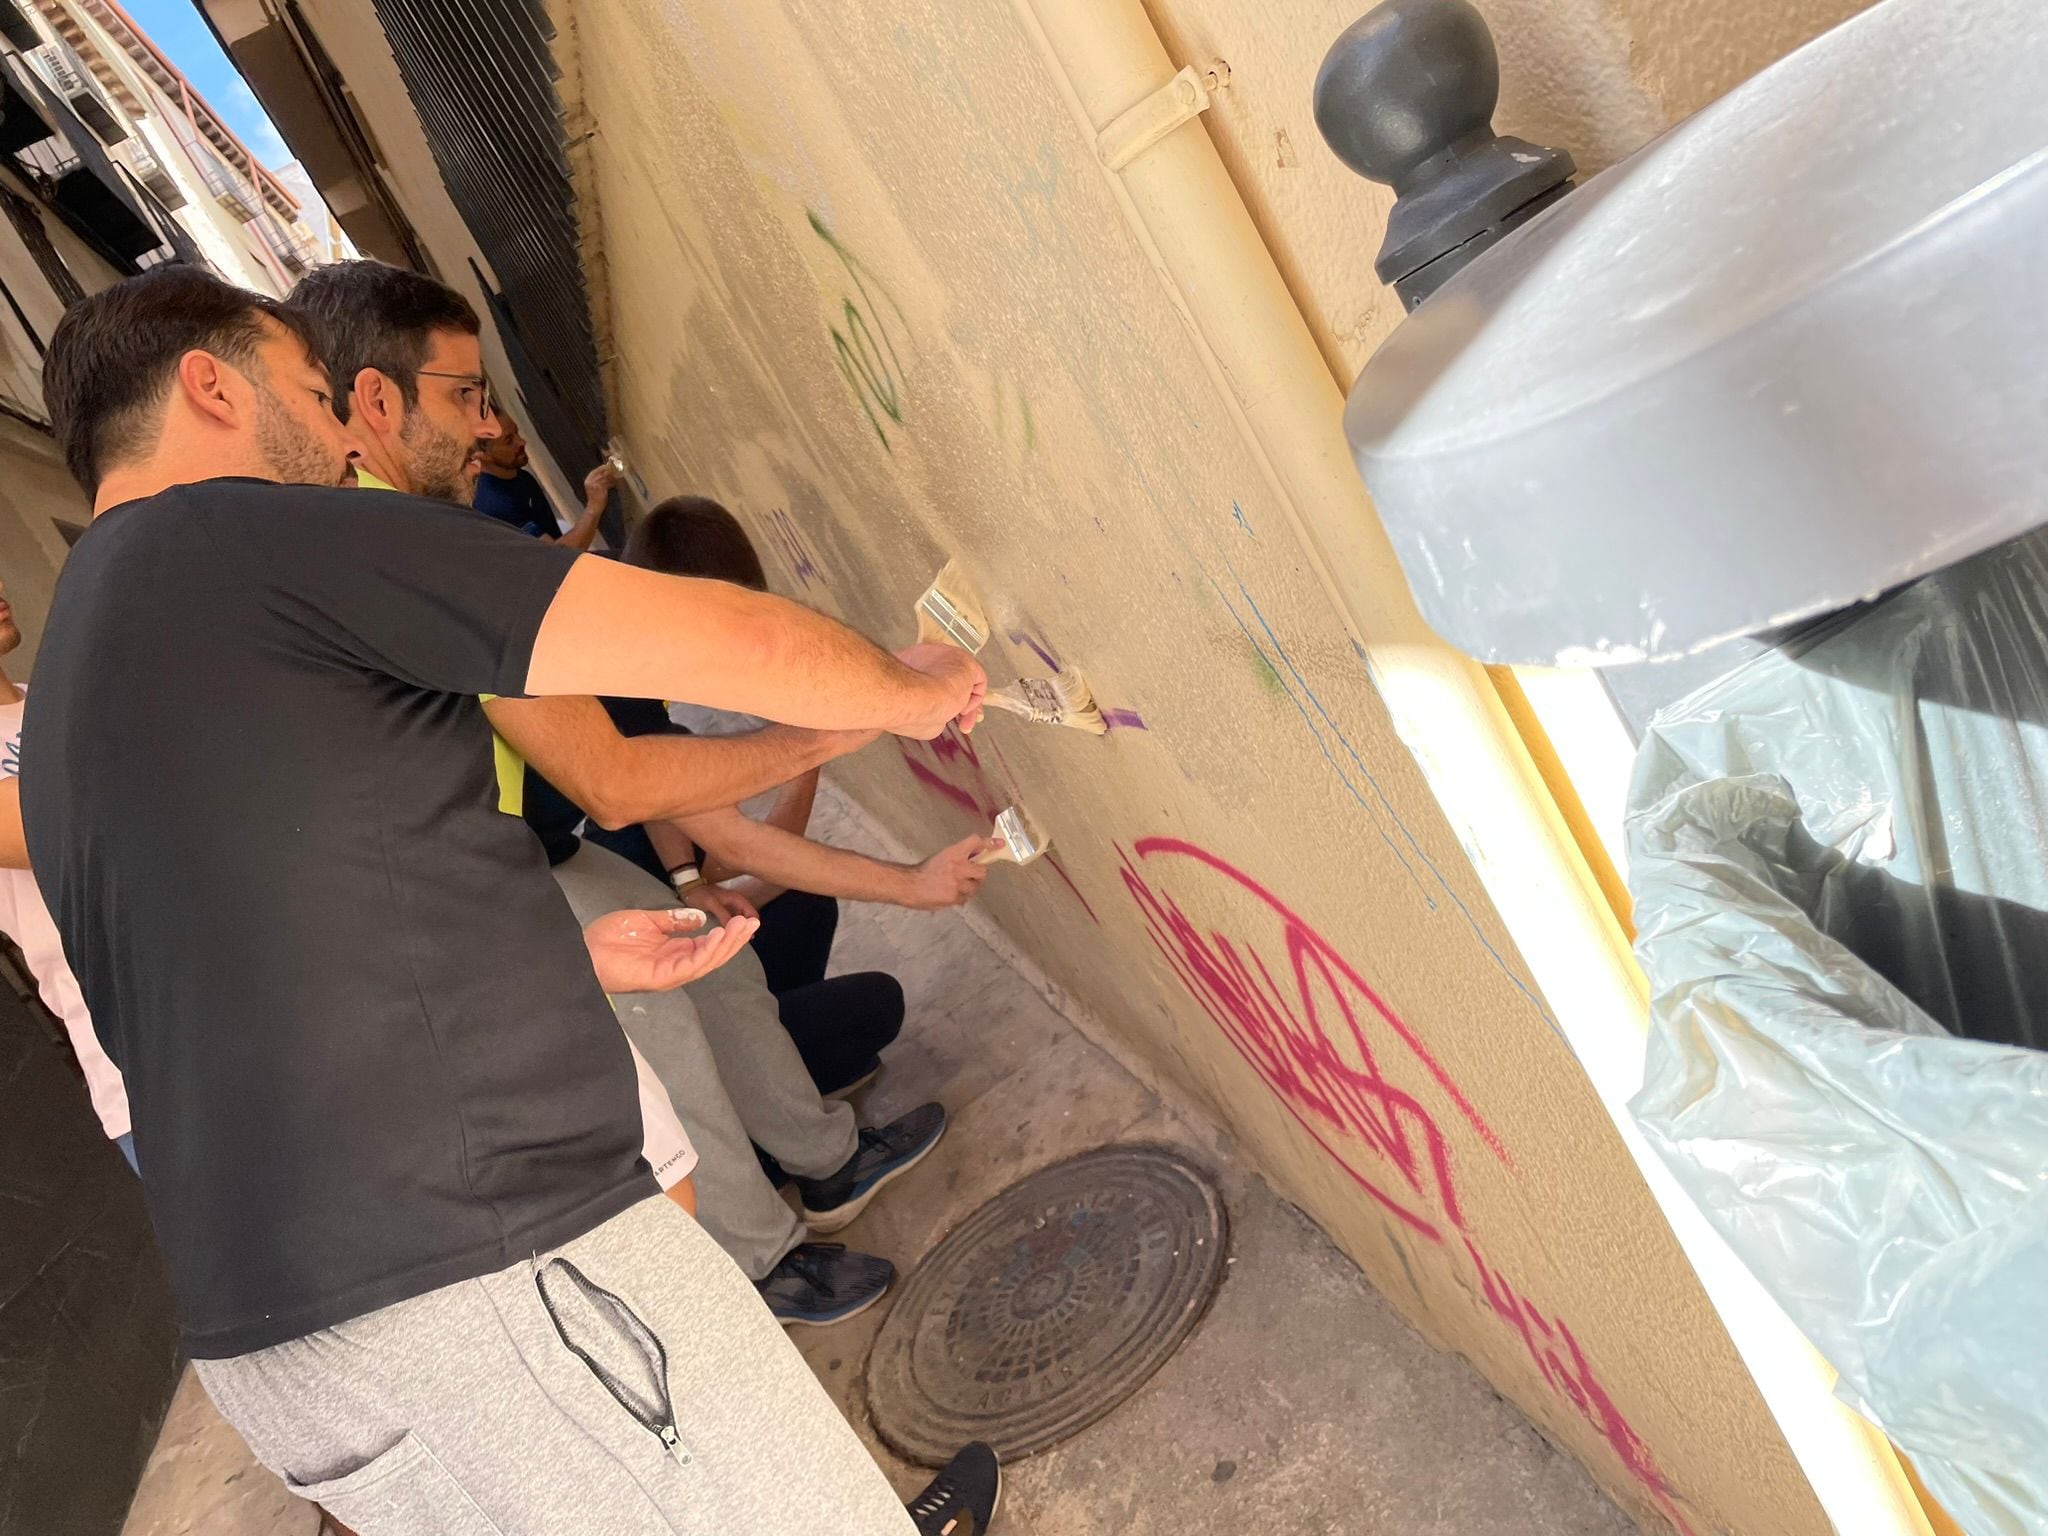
x: 731, y: 1071
x: 469, y: 1411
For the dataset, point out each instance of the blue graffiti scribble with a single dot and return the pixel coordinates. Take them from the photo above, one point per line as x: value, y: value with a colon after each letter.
x: 1276, y: 656
x: 1237, y: 516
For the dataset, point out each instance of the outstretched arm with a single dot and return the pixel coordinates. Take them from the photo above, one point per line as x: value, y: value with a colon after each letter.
x: 615, y: 629
x: 737, y: 842
x: 597, y: 490
x: 792, y: 808
x: 619, y: 780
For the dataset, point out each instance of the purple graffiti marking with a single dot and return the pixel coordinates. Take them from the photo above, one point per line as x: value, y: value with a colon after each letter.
x: 1037, y: 645
x: 789, y: 542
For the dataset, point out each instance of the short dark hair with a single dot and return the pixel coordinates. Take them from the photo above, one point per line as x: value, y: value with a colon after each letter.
x: 115, y: 352
x: 695, y: 536
x: 369, y: 314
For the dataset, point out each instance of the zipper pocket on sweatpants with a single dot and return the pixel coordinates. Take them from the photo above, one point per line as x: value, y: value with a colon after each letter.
x: 646, y: 1399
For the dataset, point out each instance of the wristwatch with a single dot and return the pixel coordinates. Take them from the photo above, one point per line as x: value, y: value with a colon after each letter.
x: 685, y: 877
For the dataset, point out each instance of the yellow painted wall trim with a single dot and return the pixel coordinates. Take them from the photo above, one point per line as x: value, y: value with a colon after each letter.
x: 1559, y: 742
x: 1196, y: 232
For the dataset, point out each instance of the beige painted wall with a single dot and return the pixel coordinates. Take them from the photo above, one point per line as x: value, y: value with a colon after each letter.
x: 866, y: 283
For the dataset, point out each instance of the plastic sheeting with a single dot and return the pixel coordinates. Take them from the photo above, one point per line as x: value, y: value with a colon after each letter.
x: 1840, y: 873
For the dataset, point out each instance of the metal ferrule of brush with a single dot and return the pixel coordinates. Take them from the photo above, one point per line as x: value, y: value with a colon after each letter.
x: 959, y: 626
x: 1022, y: 842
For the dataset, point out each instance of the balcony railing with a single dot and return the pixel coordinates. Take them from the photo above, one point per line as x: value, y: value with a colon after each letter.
x: 291, y: 246
x: 154, y: 174
x: 63, y: 68
x: 227, y: 187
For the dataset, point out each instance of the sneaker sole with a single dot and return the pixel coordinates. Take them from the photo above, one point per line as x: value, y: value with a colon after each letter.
x: 995, y: 1504
x: 838, y: 1317
x: 833, y: 1220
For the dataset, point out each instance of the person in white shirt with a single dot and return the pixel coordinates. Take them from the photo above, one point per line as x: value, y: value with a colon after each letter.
x: 24, y: 918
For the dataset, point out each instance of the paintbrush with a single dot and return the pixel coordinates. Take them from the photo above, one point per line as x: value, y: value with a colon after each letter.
x: 1022, y: 840
x: 950, y: 613
x: 1062, y: 699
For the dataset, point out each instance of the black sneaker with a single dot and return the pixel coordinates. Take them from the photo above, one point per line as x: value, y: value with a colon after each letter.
x: 820, y: 1283
x: 885, y: 1152
x: 962, y: 1499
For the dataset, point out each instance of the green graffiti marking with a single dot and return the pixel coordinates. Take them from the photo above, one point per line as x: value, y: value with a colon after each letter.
x: 1025, y: 436
x: 1266, y: 673
x: 864, y: 352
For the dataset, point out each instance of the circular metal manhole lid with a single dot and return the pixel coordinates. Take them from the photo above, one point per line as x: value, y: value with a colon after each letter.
x: 1048, y: 1306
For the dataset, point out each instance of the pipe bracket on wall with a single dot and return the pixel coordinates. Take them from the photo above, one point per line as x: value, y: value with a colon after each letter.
x: 1181, y: 100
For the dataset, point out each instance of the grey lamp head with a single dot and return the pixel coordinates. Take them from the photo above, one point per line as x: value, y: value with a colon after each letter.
x: 1790, y: 355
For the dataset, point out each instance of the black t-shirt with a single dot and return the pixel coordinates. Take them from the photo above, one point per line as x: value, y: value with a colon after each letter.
x: 517, y: 502
x: 554, y: 817
x: 365, y: 1051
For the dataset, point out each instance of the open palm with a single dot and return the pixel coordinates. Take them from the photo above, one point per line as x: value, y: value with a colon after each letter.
x: 640, y: 951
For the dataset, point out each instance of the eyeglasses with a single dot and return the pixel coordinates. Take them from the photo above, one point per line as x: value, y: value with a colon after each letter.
x: 471, y: 381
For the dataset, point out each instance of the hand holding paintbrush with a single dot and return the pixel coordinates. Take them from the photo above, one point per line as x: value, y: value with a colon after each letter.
x: 949, y: 614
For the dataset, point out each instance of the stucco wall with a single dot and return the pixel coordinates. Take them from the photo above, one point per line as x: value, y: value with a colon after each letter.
x: 866, y: 282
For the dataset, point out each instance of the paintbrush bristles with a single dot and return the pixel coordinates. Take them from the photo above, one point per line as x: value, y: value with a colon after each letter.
x: 1062, y: 699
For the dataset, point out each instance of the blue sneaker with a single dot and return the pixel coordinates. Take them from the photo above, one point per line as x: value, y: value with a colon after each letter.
x: 885, y: 1152
x: 821, y: 1283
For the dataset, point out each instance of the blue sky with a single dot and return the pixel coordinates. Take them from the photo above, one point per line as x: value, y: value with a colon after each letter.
x: 176, y: 27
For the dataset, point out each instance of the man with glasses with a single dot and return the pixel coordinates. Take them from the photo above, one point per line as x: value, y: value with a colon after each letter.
x: 423, y: 420
x: 732, y: 1073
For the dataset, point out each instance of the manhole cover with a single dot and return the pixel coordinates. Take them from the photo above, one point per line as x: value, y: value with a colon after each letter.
x: 1048, y: 1306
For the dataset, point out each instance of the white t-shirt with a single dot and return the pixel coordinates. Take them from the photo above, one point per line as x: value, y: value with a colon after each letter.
x: 664, y: 1142
x: 700, y: 721
x: 25, y: 919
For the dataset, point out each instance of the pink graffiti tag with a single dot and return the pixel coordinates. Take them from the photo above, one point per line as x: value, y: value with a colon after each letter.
x: 1335, y: 1054
x: 949, y: 767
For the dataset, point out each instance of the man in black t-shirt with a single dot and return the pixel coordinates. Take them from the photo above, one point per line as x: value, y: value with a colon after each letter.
x: 387, y: 1126
x: 730, y: 1072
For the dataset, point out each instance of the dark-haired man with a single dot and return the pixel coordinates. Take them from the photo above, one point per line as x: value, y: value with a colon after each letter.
x: 387, y: 1126
x: 507, y: 490
x: 734, y: 1076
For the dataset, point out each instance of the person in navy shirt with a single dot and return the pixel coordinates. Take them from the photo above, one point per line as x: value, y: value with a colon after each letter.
x: 508, y: 491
